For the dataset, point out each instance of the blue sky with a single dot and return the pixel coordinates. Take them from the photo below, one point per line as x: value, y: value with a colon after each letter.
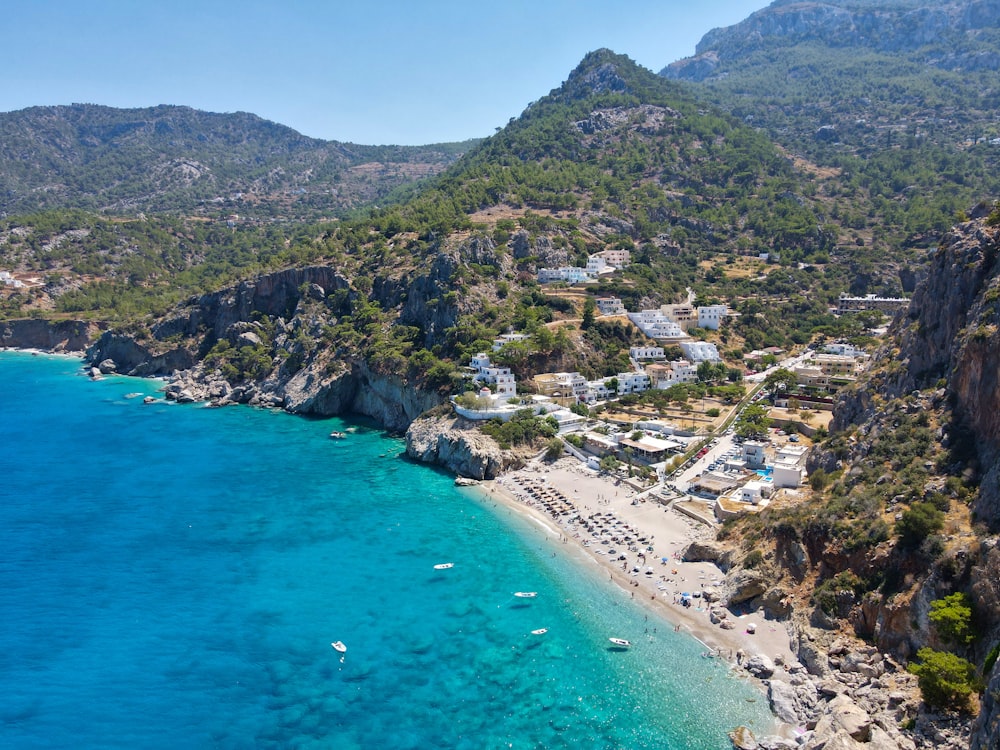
x: 365, y: 71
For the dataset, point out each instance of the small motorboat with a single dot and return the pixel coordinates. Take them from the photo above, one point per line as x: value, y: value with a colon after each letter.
x: 540, y: 631
x: 339, y: 647
x: 444, y: 566
x: 337, y: 435
x: 620, y: 642
x: 526, y: 594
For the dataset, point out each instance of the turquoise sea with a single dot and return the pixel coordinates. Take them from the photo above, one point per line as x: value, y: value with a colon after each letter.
x: 173, y: 577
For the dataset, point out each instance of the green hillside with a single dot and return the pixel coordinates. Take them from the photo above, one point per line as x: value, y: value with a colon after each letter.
x: 167, y: 158
x: 895, y: 103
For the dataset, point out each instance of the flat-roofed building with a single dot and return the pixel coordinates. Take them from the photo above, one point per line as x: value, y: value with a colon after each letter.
x: 561, y: 384
x: 646, y: 352
x: 632, y: 382
x: 610, y: 306
x: 650, y: 449
x: 508, y: 338
x: 847, y: 303
x: 663, y: 375
x: 616, y: 258
x: 602, y: 445
x: 711, y: 316
x: 700, y: 351
x: 753, y: 454
x: 683, y: 315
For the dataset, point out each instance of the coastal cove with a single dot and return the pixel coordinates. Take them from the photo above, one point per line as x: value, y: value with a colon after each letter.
x: 174, y: 576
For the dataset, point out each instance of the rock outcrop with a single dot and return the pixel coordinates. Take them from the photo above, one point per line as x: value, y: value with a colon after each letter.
x: 884, y: 28
x: 456, y: 444
x: 54, y: 336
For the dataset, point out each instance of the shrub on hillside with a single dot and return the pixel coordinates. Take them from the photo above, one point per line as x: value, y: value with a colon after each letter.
x: 917, y: 523
x: 945, y: 680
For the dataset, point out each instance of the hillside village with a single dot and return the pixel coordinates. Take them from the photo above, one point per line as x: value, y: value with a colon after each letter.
x: 714, y: 457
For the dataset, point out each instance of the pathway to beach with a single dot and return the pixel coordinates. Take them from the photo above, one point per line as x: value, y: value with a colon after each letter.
x: 640, y: 543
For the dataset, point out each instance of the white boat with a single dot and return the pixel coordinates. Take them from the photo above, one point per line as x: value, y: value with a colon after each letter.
x: 540, y: 631
x: 338, y: 435
x: 444, y: 566
x: 620, y: 642
x: 526, y: 594
x: 339, y: 647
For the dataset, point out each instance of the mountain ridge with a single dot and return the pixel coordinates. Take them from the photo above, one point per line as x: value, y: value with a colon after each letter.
x: 172, y: 157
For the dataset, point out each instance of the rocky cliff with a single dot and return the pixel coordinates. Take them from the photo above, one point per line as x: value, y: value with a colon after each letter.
x: 940, y: 367
x: 893, y: 26
x: 458, y: 445
x: 55, y: 336
x: 261, y: 342
x: 953, y: 334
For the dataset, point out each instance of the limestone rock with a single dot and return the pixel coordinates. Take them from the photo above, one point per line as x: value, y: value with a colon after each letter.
x: 781, y: 697
x: 744, y: 585
x: 456, y: 444
x: 248, y: 338
x: 743, y: 739
x: 851, y: 718
x: 704, y: 551
x: 107, y: 366
x: 760, y: 666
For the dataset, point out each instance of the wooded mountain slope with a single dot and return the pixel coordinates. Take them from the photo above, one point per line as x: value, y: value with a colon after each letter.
x: 169, y: 158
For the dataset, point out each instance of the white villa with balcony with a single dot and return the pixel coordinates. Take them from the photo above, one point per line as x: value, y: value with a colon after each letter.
x: 501, y: 382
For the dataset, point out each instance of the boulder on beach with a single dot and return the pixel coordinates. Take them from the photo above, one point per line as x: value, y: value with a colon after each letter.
x: 760, y: 666
x: 743, y: 739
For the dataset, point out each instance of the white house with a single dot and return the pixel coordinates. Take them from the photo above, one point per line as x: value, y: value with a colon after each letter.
x: 700, y: 351
x: 610, y: 306
x: 753, y: 454
x: 616, y: 258
x: 632, y: 382
x: 596, y: 264
x: 569, y: 274
x: 508, y: 338
x: 500, y: 379
x: 664, y: 375
x: 752, y: 492
x: 787, y: 474
x: 656, y: 325
x: 711, y: 316
x: 646, y: 352
x: 596, y: 390
x: 844, y: 349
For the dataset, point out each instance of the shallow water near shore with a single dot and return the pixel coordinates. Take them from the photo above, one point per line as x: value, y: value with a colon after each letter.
x: 173, y: 576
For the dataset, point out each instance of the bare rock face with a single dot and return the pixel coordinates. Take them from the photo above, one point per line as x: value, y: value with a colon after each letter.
x: 708, y: 551
x: 744, y: 585
x: 986, y: 733
x: 457, y: 445
x: 62, y: 336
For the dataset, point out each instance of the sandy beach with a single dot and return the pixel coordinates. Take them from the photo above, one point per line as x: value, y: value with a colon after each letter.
x: 639, y: 543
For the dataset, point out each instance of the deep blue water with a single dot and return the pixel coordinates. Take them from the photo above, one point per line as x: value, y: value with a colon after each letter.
x: 173, y: 576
